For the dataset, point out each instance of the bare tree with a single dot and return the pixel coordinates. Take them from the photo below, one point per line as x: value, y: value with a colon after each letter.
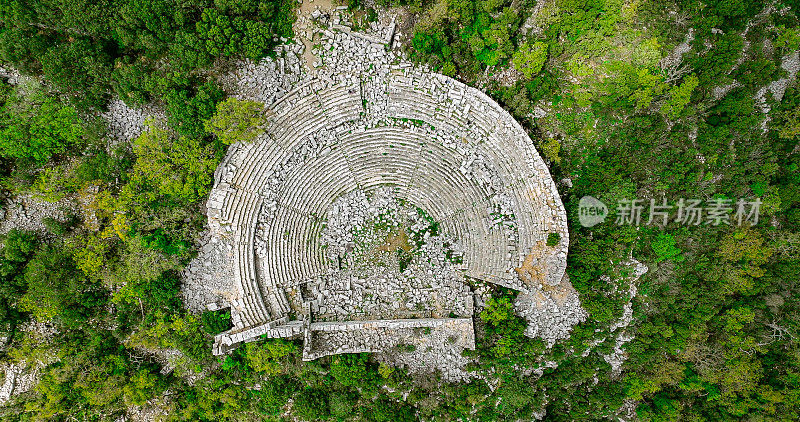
x: 674, y: 69
x: 778, y: 332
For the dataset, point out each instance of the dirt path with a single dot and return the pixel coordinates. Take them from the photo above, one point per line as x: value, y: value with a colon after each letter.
x: 304, y: 27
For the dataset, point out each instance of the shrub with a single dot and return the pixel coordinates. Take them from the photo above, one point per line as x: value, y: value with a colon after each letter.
x: 312, y: 404
x: 37, y: 128
x: 177, y: 167
x: 351, y: 370
x: 269, y: 356
x: 61, y: 228
x: 529, y: 59
x: 664, y: 247
x: 237, y: 121
x: 19, y: 245
x: 187, y: 109
x: 342, y: 404
x: 553, y: 239
x: 274, y: 394
x: 388, y: 410
x: 215, y: 322
x: 57, y: 290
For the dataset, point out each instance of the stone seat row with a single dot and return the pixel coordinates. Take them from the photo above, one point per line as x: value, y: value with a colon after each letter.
x: 294, y: 252
x: 383, y: 147
x: 376, y: 157
x: 243, y: 187
x: 486, y: 247
x: 246, y: 206
x: 396, y: 162
x: 314, y: 186
x: 446, y: 188
x: 254, y: 308
x: 443, y: 121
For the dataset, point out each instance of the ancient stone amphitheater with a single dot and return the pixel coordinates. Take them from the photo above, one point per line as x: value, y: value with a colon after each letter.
x: 380, y: 197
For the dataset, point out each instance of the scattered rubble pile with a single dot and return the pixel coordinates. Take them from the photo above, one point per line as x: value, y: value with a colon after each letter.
x: 207, y: 278
x: 421, y: 345
x: 551, y: 311
x: 267, y: 80
x: 18, y: 379
x: 11, y: 75
x: 126, y: 123
x: 386, y: 259
x: 618, y: 355
x: 377, y: 192
x: 28, y: 212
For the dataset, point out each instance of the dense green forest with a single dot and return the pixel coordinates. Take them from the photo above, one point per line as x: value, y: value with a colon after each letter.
x: 715, y: 320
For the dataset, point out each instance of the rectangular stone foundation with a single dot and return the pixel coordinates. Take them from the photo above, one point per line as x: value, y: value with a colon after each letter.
x: 331, y: 338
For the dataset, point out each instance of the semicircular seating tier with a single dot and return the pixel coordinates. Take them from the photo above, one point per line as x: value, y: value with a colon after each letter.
x: 445, y: 147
